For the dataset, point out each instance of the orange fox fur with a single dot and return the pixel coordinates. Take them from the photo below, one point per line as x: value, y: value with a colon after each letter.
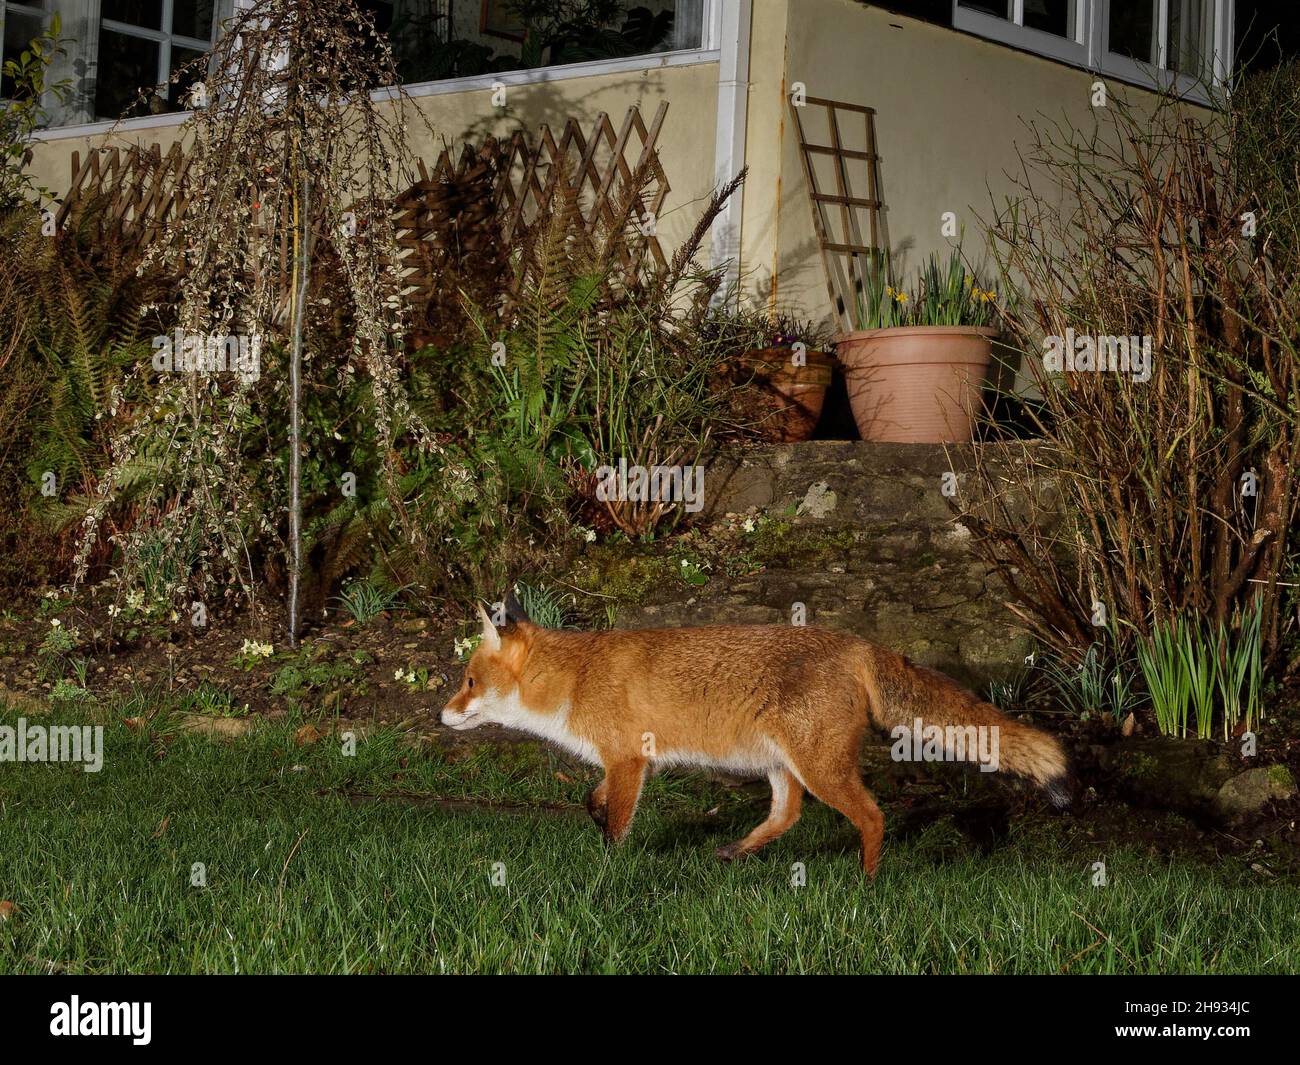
x: 790, y: 703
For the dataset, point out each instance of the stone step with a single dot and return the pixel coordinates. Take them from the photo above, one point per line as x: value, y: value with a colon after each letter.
x: 858, y: 547
x: 869, y: 543
x: 946, y: 615
x: 855, y: 484
x: 836, y: 482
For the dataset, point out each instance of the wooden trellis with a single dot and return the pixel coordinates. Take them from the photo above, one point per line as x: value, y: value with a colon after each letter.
x: 134, y: 190
x: 611, y: 182
x: 846, y: 255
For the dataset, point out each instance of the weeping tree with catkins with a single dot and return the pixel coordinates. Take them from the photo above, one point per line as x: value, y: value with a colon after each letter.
x: 294, y: 160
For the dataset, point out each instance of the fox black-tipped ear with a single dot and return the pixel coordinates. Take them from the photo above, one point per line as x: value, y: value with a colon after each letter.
x: 515, y: 611
x: 491, y: 638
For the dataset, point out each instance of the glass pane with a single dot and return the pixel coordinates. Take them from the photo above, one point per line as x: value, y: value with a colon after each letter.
x: 688, y: 24
x: 1051, y: 16
x: 1190, y: 31
x: 146, y: 13
x: 192, y: 18
x: 126, y: 65
x: 481, y: 36
x: 989, y: 7
x: 1133, y: 30
x: 178, y: 91
x: 20, y: 31
x: 631, y: 27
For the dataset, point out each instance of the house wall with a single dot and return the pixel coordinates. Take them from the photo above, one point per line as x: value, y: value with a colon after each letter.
x: 685, y: 143
x: 949, y: 116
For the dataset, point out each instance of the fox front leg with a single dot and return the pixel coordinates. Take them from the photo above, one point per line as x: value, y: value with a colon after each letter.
x: 620, y: 791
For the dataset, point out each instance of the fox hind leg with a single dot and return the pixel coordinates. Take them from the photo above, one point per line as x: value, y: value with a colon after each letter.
x: 849, y: 796
x: 787, y: 803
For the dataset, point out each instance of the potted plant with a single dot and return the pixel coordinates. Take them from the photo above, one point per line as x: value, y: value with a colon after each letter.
x: 916, y: 365
x: 787, y: 379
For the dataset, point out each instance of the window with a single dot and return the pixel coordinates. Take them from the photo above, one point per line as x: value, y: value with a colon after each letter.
x: 22, y: 23
x: 1054, y: 28
x: 121, y: 48
x: 1186, y: 44
x: 142, y: 43
x: 1170, y: 37
x: 116, y: 49
x: 437, y: 40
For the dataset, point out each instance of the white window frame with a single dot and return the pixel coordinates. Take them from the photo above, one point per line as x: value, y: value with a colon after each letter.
x: 709, y: 51
x: 1089, y: 47
x: 164, y: 38
x: 23, y: 7
x: 87, y: 57
x: 1012, y: 31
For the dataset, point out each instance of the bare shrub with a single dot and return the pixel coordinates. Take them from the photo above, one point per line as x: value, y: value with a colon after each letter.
x: 1177, y: 492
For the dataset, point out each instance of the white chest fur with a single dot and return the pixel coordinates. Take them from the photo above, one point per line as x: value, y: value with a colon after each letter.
x: 509, y: 711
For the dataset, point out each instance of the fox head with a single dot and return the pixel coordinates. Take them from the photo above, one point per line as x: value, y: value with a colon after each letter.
x: 490, y: 692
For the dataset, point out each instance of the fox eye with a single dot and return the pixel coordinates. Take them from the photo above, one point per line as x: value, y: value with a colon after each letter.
x: 469, y: 682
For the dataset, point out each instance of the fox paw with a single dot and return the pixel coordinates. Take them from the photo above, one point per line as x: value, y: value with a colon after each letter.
x: 730, y: 852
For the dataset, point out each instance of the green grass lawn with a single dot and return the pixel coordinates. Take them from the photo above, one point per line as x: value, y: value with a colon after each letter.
x: 306, y: 874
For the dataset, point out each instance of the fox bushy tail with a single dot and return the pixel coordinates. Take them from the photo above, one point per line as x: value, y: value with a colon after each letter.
x: 900, y: 693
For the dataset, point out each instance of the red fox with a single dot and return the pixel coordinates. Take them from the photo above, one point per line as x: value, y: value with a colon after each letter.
x: 791, y: 703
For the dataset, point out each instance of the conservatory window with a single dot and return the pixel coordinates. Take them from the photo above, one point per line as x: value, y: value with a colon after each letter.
x: 114, y: 50
x: 142, y: 43
x: 434, y: 40
x: 1174, y: 36
x: 1186, y: 44
x: 120, y: 48
x: 1054, y: 28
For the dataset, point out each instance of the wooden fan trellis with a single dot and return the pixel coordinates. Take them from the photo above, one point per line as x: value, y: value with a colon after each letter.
x: 846, y: 254
x: 611, y: 180
x: 135, y: 190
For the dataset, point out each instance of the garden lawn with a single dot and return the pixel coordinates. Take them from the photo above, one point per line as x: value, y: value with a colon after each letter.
x: 315, y: 861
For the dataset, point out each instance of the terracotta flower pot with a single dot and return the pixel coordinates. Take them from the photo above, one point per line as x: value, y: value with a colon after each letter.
x: 916, y: 384
x: 790, y: 397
